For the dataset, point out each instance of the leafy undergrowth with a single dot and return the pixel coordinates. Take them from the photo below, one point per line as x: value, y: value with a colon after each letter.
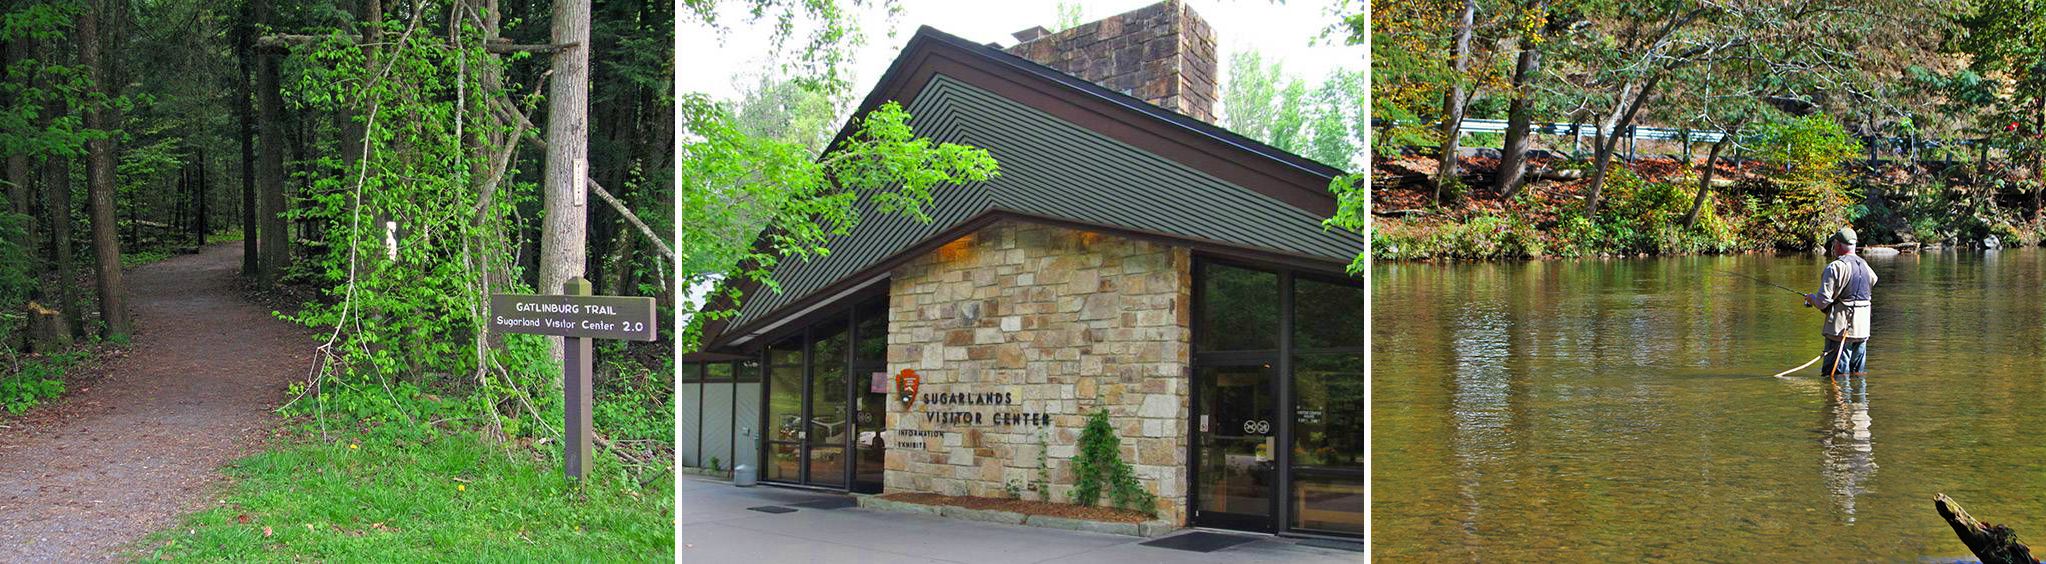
x: 392, y: 497
x: 38, y: 379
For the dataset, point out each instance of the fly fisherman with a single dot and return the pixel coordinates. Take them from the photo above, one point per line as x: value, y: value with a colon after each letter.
x: 1844, y: 295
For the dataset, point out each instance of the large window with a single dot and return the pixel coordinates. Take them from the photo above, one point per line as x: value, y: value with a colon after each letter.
x: 1285, y: 455
x: 824, y: 421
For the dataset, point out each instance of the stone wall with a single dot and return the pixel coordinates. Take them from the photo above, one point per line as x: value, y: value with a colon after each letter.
x: 1163, y: 53
x: 1065, y: 322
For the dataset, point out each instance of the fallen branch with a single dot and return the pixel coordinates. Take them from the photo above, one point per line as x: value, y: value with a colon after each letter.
x: 1994, y: 544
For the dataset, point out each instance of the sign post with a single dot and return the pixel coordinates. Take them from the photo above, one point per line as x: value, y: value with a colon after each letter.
x: 579, y: 319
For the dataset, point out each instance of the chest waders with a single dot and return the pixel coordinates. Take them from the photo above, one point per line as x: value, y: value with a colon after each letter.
x: 1856, y: 292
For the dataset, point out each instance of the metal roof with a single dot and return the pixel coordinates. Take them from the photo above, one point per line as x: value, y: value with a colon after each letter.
x: 1056, y: 169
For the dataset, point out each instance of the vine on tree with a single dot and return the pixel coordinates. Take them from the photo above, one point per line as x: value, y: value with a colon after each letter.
x: 416, y: 235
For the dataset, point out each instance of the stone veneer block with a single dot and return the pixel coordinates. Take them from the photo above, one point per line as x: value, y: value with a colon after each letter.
x: 1117, y: 342
x: 1163, y: 53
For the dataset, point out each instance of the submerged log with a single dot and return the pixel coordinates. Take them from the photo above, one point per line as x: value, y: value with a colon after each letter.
x: 1994, y: 544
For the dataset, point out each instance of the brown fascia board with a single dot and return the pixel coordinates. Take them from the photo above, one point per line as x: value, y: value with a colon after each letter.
x: 1284, y: 176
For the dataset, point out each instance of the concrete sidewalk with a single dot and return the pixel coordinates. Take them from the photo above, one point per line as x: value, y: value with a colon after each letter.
x: 717, y: 528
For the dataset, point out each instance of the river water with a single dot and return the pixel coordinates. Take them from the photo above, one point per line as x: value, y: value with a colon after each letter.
x: 1624, y: 410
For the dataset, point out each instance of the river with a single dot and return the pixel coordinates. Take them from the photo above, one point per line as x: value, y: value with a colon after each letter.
x: 1624, y: 410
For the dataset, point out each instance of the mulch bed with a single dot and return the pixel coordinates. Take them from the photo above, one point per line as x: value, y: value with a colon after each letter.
x: 1025, y: 507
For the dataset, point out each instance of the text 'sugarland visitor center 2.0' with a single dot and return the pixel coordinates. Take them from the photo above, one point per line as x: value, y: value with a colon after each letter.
x: 1130, y: 257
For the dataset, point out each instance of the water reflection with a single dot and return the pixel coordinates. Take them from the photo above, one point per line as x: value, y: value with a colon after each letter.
x: 1623, y: 409
x: 1848, y: 446
x: 1482, y: 418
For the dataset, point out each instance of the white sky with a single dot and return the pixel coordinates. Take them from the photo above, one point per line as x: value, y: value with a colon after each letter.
x: 1286, y: 31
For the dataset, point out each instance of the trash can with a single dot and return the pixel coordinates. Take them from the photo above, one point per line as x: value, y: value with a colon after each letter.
x: 742, y: 476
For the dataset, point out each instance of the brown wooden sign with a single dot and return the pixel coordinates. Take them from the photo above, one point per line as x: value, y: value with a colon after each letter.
x: 591, y: 317
x: 578, y: 318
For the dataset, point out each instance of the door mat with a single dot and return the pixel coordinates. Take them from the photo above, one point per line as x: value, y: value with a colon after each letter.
x: 1352, y: 546
x: 835, y: 503
x: 1200, y: 541
x: 772, y: 509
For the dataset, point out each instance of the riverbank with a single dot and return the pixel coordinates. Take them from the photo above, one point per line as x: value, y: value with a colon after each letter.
x: 1645, y: 205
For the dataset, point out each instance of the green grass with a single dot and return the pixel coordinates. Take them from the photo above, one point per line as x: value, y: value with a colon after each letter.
x: 388, y: 498
x: 141, y: 257
x: 224, y: 235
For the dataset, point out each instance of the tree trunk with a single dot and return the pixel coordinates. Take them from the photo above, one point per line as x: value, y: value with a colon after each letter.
x: 275, y: 246
x: 243, y: 108
x: 563, y: 252
x: 1603, y: 148
x: 1453, y: 101
x: 47, y: 330
x: 1994, y: 544
x: 21, y: 172
x: 1519, y: 118
x: 199, y: 227
x: 57, y: 216
x: 99, y: 169
x: 1705, y: 181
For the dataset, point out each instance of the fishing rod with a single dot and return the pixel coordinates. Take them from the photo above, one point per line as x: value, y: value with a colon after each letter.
x: 1785, y: 288
x: 1814, y: 359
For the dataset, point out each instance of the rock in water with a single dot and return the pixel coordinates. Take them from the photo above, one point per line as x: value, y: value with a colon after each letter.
x: 1879, y: 252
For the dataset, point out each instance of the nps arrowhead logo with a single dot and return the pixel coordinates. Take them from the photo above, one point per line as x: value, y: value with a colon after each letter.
x: 905, y: 386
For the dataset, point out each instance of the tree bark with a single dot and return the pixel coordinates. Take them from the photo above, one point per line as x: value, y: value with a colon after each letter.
x: 99, y: 169
x: 563, y: 252
x: 1453, y: 101
x: 1519, y: 119
x: 199, y: 228
x: 244, y: 106
x: 1705, y: 181
x: 1994, y: 544
x: 20, y: 171
x: 274, y: 246
x: 1603, y: 148
x: 57, y: 216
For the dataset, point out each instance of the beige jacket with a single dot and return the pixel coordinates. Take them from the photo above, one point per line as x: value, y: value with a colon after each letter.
x: 1831, y: 283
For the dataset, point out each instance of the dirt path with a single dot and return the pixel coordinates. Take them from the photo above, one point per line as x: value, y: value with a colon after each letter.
x: 134, y: 450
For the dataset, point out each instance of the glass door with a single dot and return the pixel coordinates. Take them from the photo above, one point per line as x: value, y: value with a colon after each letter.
x: 870, y: 385
x: 828, y: 422
x: 1236, y: 447
x: 784, y: 432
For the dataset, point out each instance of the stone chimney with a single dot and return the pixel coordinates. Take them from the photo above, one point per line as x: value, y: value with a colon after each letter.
x: 1163, y: 54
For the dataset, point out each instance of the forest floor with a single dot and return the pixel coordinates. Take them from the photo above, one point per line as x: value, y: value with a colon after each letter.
x: 140, y: 443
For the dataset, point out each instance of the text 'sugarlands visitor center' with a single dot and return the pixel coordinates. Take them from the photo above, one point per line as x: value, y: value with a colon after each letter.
x: 1131, y: 257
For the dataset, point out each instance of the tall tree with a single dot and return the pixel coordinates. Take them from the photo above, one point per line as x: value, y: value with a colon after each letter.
x: 564, y: 236
x: 1455, y: 100
x: 244, y: 106
x: 1537, y: 23
x: 275, y: 245
x: 94, y: 40
x: 2007, y: 38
